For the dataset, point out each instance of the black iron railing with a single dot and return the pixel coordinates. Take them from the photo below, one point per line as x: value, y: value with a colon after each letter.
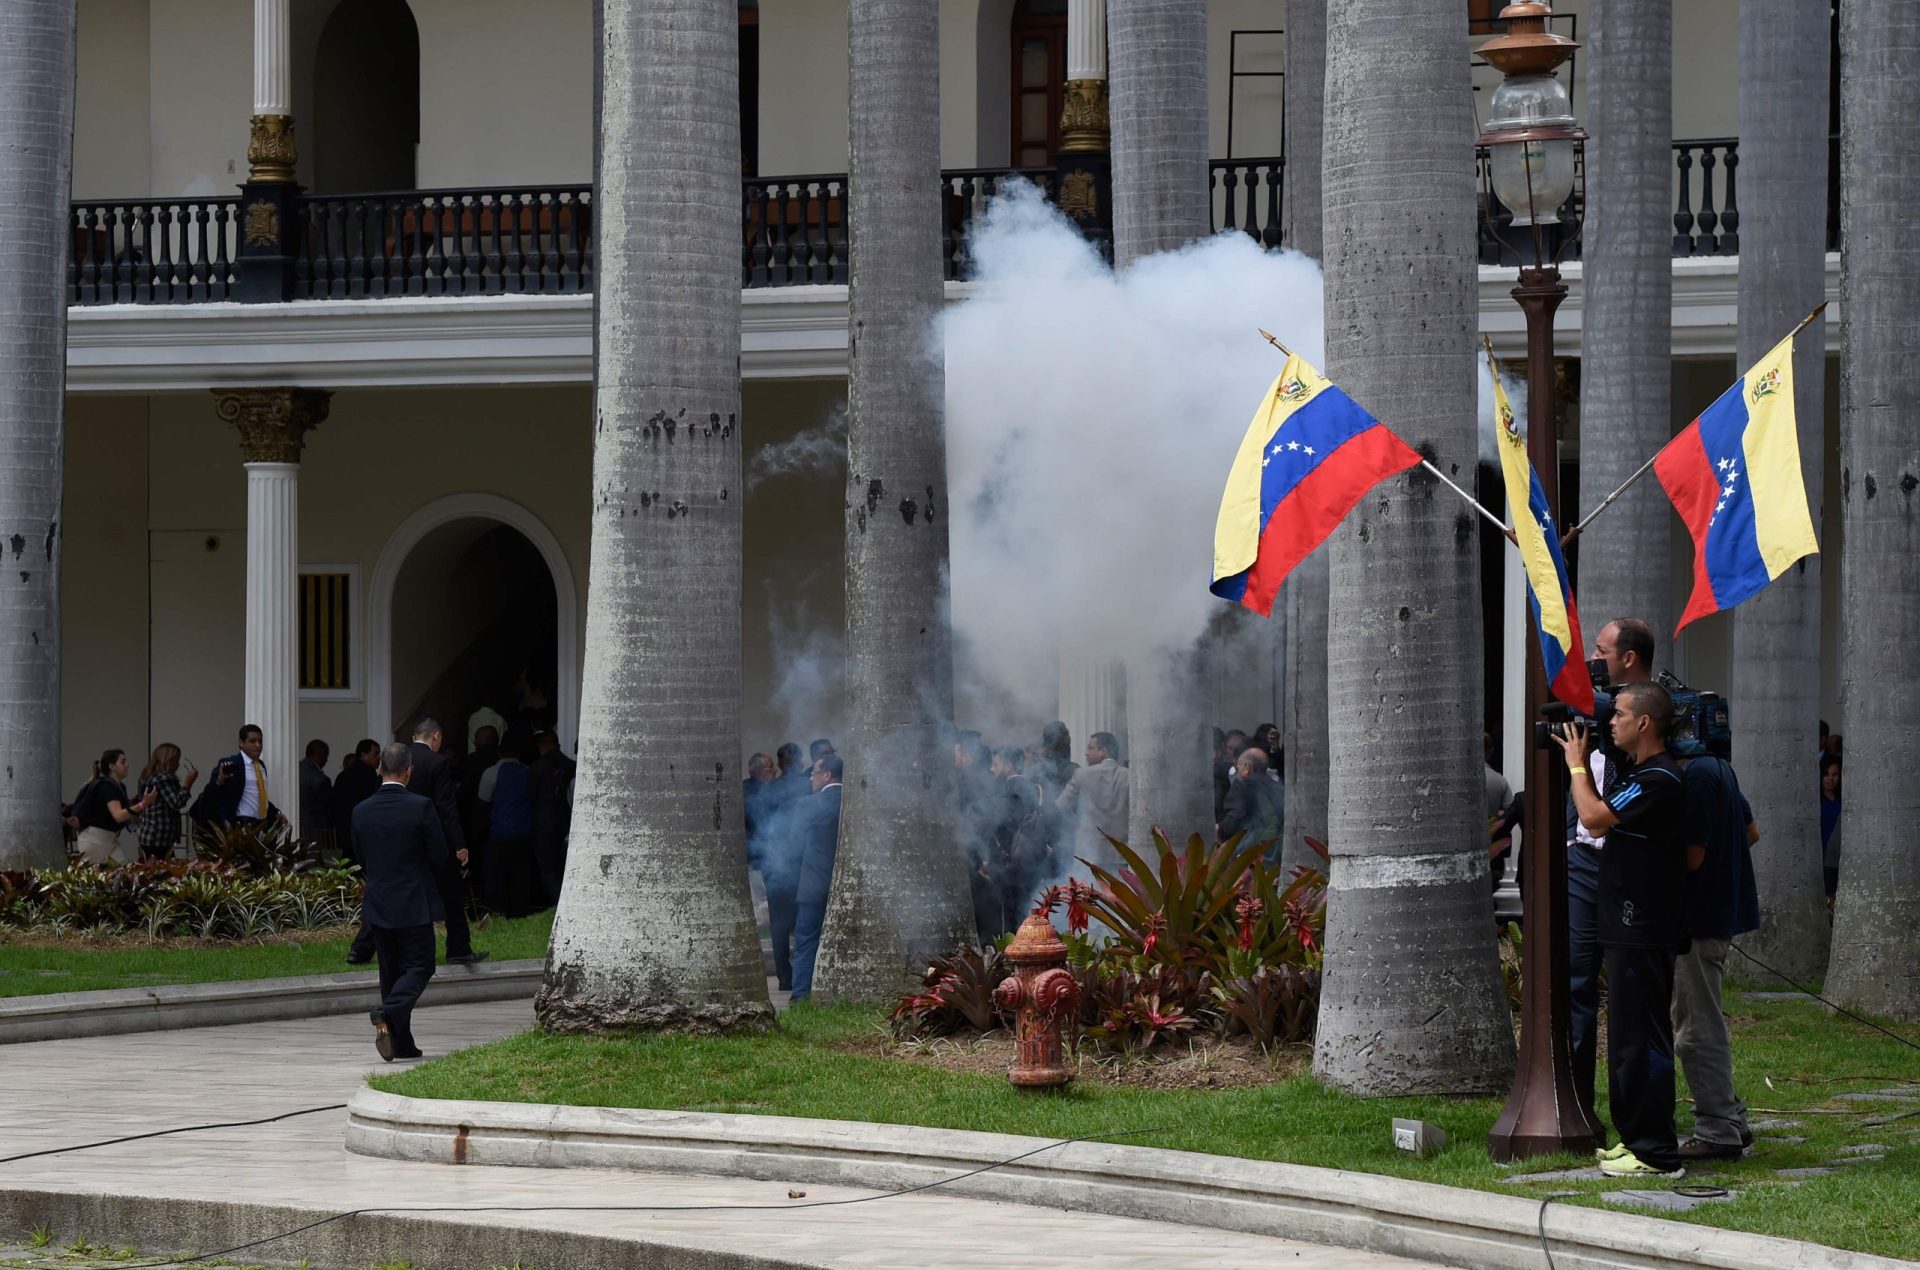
x: 153, y: 251
x: 540, y: 240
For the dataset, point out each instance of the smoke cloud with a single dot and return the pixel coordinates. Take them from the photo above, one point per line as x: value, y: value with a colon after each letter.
x: 818, y: 451
x: 1091, y: 419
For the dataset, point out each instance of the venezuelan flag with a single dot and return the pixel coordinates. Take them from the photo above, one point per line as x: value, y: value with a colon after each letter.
x: 1562, y: 647
x: 1734, y: 476
x: 1309, y: 455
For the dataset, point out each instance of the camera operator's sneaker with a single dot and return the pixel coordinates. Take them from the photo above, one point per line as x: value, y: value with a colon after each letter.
x: 1627, y: 1164
x: 1613, y: 1152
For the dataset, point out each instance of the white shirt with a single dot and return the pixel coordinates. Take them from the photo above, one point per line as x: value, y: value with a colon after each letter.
x: 249, y: 790
x: 1596, y: 768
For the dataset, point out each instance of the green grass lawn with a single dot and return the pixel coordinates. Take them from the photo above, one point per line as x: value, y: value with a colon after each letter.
x: 806, y: 1069
x: 32, y: 964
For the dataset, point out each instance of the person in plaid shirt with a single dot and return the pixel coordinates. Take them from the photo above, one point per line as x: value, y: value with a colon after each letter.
x: 166, y: 796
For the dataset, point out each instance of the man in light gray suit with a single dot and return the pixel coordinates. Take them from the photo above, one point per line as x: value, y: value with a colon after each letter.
x: 1100, y: 793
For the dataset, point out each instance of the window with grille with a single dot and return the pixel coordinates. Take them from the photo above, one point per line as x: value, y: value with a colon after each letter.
x: 326, y: 632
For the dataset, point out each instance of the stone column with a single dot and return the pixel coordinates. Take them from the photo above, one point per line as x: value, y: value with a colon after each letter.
x: 269, y: 221
x: 1093, y: 698
x: 1085, y: 171
x: 273, y: 424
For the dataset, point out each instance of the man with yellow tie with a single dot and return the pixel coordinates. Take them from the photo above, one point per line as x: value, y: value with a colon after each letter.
x: 238, y: 792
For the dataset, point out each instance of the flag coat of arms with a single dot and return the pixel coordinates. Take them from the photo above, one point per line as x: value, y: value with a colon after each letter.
x: 1309, y: 455
x: 1734, y: 477
x: 1562, y: 647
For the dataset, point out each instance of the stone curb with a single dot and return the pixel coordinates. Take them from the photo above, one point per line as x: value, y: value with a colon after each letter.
x: 1473, y: 1229
x: 60, y: 1016
x: 161, y: 1225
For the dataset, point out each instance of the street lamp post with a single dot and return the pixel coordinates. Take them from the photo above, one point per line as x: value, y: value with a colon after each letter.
x: 1534, y: 161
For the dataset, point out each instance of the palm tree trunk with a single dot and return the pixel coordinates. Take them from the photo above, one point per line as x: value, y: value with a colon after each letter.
x: 1776, y: 635
x: 1305, y: 718
x: 655, y: 928
x: 1157, y: 57
x: 900, y: 890
x: 36, y: 165
x: 1626, y: 355
x: 1412, y: 1000
x: 1876, y: 930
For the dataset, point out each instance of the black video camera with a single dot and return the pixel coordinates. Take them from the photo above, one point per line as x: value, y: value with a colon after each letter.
x: 1702, y: 722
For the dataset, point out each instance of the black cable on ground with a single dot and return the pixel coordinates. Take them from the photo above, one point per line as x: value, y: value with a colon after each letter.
x: 1543, y: 1232
x: 622, y: 1208
x: 1822, y: 1000
x: 162, y: 1133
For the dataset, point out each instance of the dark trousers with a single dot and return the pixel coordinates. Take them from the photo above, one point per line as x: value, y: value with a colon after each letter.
x: 459, y: 938
x: 1583, y: 963
x: 1640, y: 1053
x: 406, y: 963
x: 809, y: 920
x: 550, y: 857
x: 782, y: 913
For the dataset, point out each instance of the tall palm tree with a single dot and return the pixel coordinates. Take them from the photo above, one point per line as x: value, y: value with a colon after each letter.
x: 1157, y: 57
x: 1305, y: 595
x: 36, y: 168
x: 655, y: 927
x: 1412, y: 1000
x: 1626, y: 401
x: 900, y: 891
x: 1776, y: 635
x: 1876, y: 930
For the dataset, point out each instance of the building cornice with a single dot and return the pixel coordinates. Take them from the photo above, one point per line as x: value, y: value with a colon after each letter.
x: 786, y: 333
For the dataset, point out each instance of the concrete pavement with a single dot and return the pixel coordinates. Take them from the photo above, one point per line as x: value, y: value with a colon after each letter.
x: 184, y: 1193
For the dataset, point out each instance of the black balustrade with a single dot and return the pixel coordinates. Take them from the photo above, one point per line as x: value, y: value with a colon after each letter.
x: 153, y: 251
x: 794, y: 232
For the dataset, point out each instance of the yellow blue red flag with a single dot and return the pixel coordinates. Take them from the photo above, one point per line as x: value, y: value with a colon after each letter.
x: 1548, y: 594
x: 1734, y: 476
x: 1309, y: 455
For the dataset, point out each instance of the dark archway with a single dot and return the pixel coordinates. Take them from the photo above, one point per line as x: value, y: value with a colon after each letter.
x: 366, y: 99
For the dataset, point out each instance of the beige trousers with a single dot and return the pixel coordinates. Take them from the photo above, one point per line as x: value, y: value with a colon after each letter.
x: 98, y: 846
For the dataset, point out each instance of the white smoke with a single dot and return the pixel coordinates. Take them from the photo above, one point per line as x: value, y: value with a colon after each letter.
x: 817, y: 451
x: 1091, y: 420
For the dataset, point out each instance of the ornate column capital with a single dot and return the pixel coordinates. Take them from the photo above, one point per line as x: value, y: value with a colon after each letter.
x: 1083, y: 118
x: 272, y: 422
x: 270, y: 149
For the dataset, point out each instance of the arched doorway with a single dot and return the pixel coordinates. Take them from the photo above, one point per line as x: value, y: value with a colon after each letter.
x: 366, y: 99
x: 471, y: 603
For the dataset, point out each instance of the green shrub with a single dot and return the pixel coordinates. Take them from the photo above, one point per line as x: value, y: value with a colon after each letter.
x: 180, y: 898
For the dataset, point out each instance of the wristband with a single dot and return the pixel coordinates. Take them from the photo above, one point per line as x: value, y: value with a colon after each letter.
x: 1576, y: 771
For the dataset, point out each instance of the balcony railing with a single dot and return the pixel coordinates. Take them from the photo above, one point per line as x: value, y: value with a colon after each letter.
x: 540, y: 240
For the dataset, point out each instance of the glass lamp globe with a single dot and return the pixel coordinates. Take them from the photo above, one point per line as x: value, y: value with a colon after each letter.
x: 1533, y: 166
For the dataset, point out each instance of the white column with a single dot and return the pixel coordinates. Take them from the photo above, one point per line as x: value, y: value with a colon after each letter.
x: 272, y: 58
x: 1087, y: 39
x: 1092, y: 698
x: 272, y: 678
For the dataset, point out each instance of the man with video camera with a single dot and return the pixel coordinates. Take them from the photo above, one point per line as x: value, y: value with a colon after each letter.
x: 1641, y: 919
x: 1622, y: 654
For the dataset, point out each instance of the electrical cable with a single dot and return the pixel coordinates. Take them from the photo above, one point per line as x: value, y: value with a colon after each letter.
x: 1822, y: 1000
x: 1543, y: 1231
x: 615, y: 1208
x: 162, y: 1133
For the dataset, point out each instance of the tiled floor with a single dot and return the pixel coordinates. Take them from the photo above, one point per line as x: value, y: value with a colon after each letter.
x: 60, y: 1092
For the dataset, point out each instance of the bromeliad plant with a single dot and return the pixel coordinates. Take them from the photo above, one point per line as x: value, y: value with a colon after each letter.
x: 176, y: 897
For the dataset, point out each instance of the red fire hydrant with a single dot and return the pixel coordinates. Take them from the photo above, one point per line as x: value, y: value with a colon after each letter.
x: 1042, y: 994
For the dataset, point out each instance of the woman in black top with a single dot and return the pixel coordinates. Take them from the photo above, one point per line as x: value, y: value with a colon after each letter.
x: 165, y: 796
x: 104, y: 809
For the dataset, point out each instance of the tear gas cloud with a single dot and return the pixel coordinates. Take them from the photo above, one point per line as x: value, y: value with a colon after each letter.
x: 1091, y: 419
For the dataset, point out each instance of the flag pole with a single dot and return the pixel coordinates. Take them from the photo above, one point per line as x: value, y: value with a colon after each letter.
x: 1627, y: 484
x: 1473, y: 502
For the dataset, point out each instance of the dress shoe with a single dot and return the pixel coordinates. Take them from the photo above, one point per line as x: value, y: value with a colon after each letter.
x: 469, y: 959
x: 382, y: 1036
x: 1701, y: 1149
x: 409, y: 1054
x: 357, y: 961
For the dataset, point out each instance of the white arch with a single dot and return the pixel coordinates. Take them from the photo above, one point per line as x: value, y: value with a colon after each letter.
x: 445, y: 511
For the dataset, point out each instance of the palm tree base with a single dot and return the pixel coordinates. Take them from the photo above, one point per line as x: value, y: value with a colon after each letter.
x: 562, y: 1012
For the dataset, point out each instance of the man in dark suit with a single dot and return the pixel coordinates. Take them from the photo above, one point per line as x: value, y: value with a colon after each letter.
x: 237, y: 794
x: 402, y: 847
x: 359, y: 778
x: 433, y: 779
x: 550, y: 777
x: 818, y: 833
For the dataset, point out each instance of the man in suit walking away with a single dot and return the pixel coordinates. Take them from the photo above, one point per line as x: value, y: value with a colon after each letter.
x: 817, y: 819
x: 402, y: 848
x: 433, y: 778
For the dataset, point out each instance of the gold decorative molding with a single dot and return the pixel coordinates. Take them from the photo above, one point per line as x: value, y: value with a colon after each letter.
x: 270, y: 149
x: 272, y: 422
x: 1083, y: 118
x: 262, y: 225
x: 1080, y: 196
